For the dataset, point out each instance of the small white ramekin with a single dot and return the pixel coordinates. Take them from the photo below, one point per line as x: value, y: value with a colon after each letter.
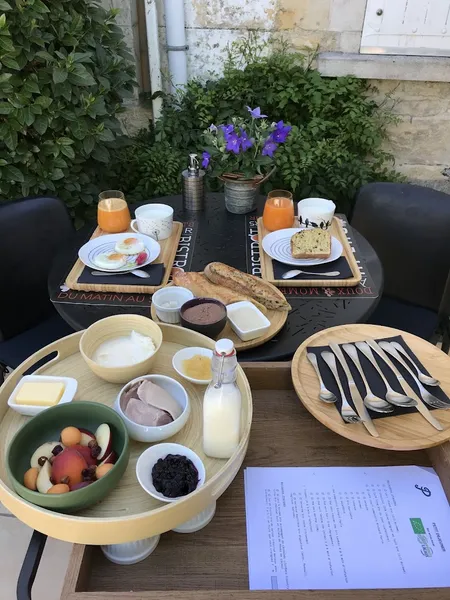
x: 148, y: 458
x: 247, y: 334
x: 180, y: 295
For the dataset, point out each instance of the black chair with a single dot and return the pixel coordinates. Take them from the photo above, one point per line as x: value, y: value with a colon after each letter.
x: 32, y: 231
x: 409, y: 228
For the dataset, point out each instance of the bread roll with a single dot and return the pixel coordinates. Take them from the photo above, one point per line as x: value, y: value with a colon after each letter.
x: 243, y: 283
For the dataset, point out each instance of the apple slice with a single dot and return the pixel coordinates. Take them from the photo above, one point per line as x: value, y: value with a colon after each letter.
x: 43, y: 481
x: 104, y: 440
x: 45, y: 450
x: 86, y: 436
x: 110, y: 459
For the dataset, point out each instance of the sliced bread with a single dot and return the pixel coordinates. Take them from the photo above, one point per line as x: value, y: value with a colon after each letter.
x: 311, y: 243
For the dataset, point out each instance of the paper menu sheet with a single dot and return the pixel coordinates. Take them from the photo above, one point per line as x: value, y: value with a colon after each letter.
x: 346, y: 528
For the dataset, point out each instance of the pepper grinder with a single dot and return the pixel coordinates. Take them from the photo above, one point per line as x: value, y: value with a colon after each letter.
x: 193, y: 185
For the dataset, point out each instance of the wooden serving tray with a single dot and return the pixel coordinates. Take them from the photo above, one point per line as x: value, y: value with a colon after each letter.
x: 401, y: 432
x: 169, y: 248
x: 212, y: 563
x: 336, y: 231
x: 128, y: 513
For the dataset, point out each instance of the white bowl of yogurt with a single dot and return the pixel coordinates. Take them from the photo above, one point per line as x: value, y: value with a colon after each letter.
x: 165, y: 409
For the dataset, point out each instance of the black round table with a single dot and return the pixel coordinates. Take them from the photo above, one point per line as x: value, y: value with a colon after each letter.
x: 221, y: 236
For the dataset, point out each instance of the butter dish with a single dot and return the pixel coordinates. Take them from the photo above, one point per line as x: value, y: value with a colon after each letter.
x: 30, y: 410
x: 247, y: 321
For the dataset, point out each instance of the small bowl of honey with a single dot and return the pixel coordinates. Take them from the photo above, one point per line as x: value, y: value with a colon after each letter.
x: 194, y: 364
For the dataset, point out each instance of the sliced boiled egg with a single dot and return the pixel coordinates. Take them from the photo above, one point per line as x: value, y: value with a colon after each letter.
x: 110, y: 260
x: 129, y: 245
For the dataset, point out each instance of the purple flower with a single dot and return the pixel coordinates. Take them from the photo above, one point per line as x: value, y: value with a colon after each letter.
x: 269, y: 148
x: 206, y: 159
x: 233, y: 143
x: 256, y: 113
x: 227, y: 129
x: 212, y: 128
x: 246, y: 142
x: 279, y: 135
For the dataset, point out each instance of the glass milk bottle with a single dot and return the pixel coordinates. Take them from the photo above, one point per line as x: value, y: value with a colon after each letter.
x: 222, y: 404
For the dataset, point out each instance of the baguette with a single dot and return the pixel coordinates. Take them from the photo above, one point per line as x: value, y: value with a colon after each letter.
x: 243, y: 283
x: 201, y: 287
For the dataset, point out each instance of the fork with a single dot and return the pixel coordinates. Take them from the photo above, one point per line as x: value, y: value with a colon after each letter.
x: 426, y: 396
x: 347, y: 413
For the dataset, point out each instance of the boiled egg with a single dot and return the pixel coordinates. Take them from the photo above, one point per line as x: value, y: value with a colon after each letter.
x: 129, y: 245
x: 110, y: 260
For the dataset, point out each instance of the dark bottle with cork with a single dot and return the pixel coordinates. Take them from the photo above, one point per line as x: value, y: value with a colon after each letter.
x: 193, y: 185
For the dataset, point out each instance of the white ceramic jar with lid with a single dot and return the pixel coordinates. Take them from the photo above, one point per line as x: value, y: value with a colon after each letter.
x: 222, y: 404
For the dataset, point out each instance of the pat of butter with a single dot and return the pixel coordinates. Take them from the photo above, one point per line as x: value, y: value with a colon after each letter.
x: 40, y: 393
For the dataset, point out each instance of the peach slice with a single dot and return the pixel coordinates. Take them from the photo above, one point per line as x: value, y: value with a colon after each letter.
x: 104, y: 440
x: 68, y: 466
x: 43, y: 481
x: 45, y: 450
x: 85, y: 453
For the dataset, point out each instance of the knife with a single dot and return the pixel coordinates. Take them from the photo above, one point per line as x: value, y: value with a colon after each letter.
x: 354, y: 393
x: 426, y: 414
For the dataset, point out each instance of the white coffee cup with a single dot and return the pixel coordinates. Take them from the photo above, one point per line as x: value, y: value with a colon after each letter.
x: 316, y: 212
x: 154, y: 220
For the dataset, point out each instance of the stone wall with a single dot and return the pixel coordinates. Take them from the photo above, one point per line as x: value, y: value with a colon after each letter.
x: 421, y: 142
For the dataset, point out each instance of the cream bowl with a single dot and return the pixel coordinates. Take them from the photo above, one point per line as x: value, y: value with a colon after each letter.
x: 144, y: 433
x: 185, y: 354
x: 148, y: 459
x: 113, y: 327
x: 172, y: 293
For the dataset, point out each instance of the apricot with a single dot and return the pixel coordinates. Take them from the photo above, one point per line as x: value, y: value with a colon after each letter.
x: 101, y: 470
x: 59, y: 488
x: 68, y: 466
x: 70, y: 436
x: 30, y: 478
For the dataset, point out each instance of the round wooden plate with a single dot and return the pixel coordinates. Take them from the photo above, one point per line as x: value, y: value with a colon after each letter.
x: 277, y: 319
x: 402, y: 432
x: 128, y: 513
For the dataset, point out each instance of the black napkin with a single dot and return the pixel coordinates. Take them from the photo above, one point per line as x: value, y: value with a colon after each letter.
x: 156, y: 272
x: 375, y: 382
x: 340, y: 264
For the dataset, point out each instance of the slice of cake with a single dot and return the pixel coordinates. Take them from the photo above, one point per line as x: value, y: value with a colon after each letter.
x: 311, y: 243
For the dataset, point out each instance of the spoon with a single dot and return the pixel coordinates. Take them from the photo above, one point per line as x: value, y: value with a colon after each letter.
x: 295, y: 272
x: 325, y: 395
x: 426, y: 379
x: 392, y: 396
x: 137, y: 272
x: 370, y: 400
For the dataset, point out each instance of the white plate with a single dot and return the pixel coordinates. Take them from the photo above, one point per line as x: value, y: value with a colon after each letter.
x: 106, y: 243
x: 278, y: 246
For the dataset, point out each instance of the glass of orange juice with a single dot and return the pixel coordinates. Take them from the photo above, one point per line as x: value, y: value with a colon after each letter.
x: 113, y: 215
x: 278, y: 210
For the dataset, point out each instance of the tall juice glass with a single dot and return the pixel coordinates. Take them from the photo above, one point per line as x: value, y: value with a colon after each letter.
x: 113, y: 215
x: 278, y: 210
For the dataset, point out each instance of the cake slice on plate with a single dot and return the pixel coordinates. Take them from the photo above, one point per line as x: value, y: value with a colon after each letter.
x: 311, y: 243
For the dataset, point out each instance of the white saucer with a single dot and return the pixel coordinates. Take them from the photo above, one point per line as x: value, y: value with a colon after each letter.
x: 278, y: 246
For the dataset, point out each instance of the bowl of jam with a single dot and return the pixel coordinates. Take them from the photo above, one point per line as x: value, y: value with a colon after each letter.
x: 205, y: 315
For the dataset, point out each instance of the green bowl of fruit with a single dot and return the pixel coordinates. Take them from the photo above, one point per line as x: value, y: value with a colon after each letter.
x: 69, y: 457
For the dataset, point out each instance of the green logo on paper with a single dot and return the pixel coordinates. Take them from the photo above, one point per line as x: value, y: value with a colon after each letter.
x: 417, y: 526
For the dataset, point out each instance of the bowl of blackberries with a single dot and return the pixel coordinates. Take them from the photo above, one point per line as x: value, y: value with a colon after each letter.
x: 169, y: 472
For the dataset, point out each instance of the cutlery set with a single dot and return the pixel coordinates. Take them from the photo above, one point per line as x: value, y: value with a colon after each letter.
x: 370, y: 401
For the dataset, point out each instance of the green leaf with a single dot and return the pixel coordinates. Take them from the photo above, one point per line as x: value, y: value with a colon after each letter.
x: 11, y: 63
x: 88, y: 144
x: 79, y: 129
x: 6, y: 108
x: 57, y: 174
x: 68, y: 151
x: 101, y: 154
x: 2, y: 21
x: 59, y: 75
x: 80, y: 76
x: 65, y: 141
x: 41, y: 124
x: 4, y: 6
x: 43, y: 101
x: 45, y: 55
x: 31, y: 86
x: 10, y: 139
x: 6, y: 44
x: 13, y: 174
x: 40, y: 7
x: 106, y: 136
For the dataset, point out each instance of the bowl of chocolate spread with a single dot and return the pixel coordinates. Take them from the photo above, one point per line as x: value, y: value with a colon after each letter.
x: 205, y: 315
